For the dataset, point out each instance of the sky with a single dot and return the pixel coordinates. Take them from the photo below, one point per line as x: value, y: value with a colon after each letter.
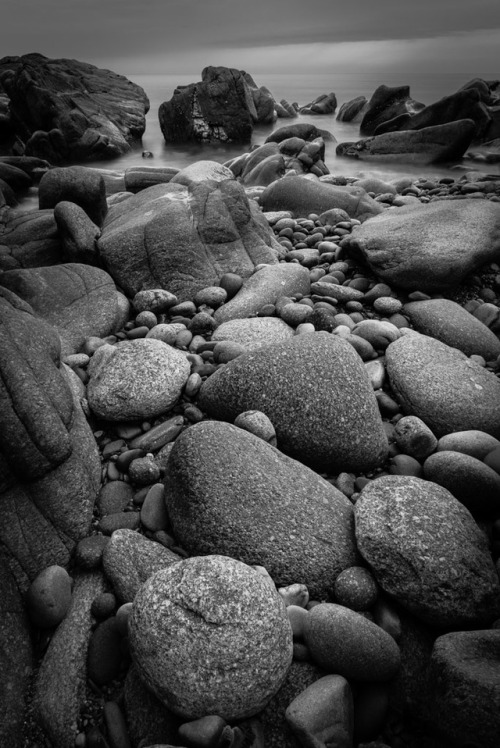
x: 260, y: 36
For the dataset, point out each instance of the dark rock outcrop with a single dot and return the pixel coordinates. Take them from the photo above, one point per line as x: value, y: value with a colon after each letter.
x: 353, y: 110
x: 29, y: 240
x: 184, y: 238
x: 324, y: 104
x: 223, y: 106
x: 385, y: 104
x: 66, y: 110
x: 429, y: 145
x: 304, y: 130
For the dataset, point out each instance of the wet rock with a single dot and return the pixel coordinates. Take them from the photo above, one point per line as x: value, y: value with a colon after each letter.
x: 386, y: 103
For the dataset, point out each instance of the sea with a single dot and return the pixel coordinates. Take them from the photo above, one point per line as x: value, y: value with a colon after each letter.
x: 302, y: 89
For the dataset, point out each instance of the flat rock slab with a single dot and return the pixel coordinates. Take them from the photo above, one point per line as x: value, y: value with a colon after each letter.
x: 449, y: 322
x: 315, y: 390
x: 254, y: 332
x: 229, y: 492
x: 441, y: 386
x: 184, y: 239
x: 302, y: 196
x: 265, y: 286
x: 426, y: 550
x: 429, y: 247
x: 79, y: 300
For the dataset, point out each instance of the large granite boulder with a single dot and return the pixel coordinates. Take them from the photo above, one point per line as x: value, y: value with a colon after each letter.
x: 428, y: 145
x: 464, y: 104
x: 386, y: 103
x: 223, y: 106
x: 210, y: 635
x: 444, y: 388
x: 323, y: 104
x: 426, y: 551
x: 78, y: 300
x: 450, y: 323
x: 70, y: 111
x: 29, y: 240
x: 49, y: 463
x: 184, y: 239
x: 229, y: 492
x: 430, y: 247
x: 315, y: 390
x: 76, y: 184
x: 463, y: 696
x: 303, y: 195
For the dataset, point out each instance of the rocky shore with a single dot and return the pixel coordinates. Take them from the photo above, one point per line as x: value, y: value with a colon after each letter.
x: 250, y: 451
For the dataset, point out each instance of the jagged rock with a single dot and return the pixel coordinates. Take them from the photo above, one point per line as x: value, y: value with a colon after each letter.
x: 324, y: 104
x: 184, y: 239
x: 79, y: 300
x: 223, y: 106
x: 66, y: 110
x: 421, y: 247
x: 385, y: 104
x: 428, y: 145
x: 464, y: 104
x: 353, y: 110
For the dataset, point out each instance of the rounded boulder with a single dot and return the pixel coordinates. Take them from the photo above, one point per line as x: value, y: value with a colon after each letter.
x: 210, y: 635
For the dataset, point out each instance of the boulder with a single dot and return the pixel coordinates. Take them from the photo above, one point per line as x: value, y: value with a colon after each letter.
x: 385, y: 104
x: 229, y: 492
x: 78, y: 300
x: 353, y: 110
x: 444, y: 388
x: 463, y: 697
x: 428, y: 145
x: 427, y: 552
x: 49, y: 460
x: 148, y: 720
x: 464, y: 104
x: 78, y: 234
x: 323, y: 713
x: 470, y: 481
x: 323, y: 104
x: 69, y: 111
x: 137, y: 178
x: 265, y: 286
x: 210, y: 635
x: 255, y: 332
x: 450, y: 323
x: 136, y: 379
x: 29, y: 240
x: 129, y: 559
x: 422, y: 247
x: 75, y: 184
x: 321, y: 382
x: 59, y: 691
x: 223, y: 106
x: 302, y: 196
x: 200, y: 171
x: 304, y: 130
x: 185, y: 239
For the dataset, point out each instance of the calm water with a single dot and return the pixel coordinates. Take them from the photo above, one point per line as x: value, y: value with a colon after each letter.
x: 295, y: 88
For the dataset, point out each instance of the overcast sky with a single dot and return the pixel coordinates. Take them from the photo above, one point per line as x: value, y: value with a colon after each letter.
x: 182, y: 36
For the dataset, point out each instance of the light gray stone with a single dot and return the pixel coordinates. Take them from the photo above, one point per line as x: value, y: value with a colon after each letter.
x: 254, y: 332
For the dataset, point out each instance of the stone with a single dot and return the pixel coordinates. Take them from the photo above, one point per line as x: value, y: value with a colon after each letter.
x: 116, y: 726
x: 323, y: 714
x: 428, y: 145
x: 30, y: 239
x: 77, y: 111
x: 78, y: 234
x: 200, y: 171
x: 77, y: 299
x: 118, y: 521
x: 229, y: 492
x: 204, y: 732
x: 265, y: 286
x: 139, y: 379
x: 114, y: 497
x: 386, y: 103
x: 49, y: 597
x: 60, y: 684
x: 255, y: 332
x: 148, y: 719
x: 473, y: 483
x: 353, y: 110
x: 257, y: 423
x: 474, y: 443
x: 463, y: 692
x: 154, y: 515
x: 450, y: 323
x: 421, y: 247
x: 139, y: 178
x: 442, y: 387
x: 197, y: 668
x: 129, y: 559
x: 302, y: 196
x: 104, y: 656
x: 211, y: 228
x: 341, y: 432
x: 75, y: 184
x: 414, y: 438
x: 356, y: 588
x: 346, y: 643
x: 427, y: 552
